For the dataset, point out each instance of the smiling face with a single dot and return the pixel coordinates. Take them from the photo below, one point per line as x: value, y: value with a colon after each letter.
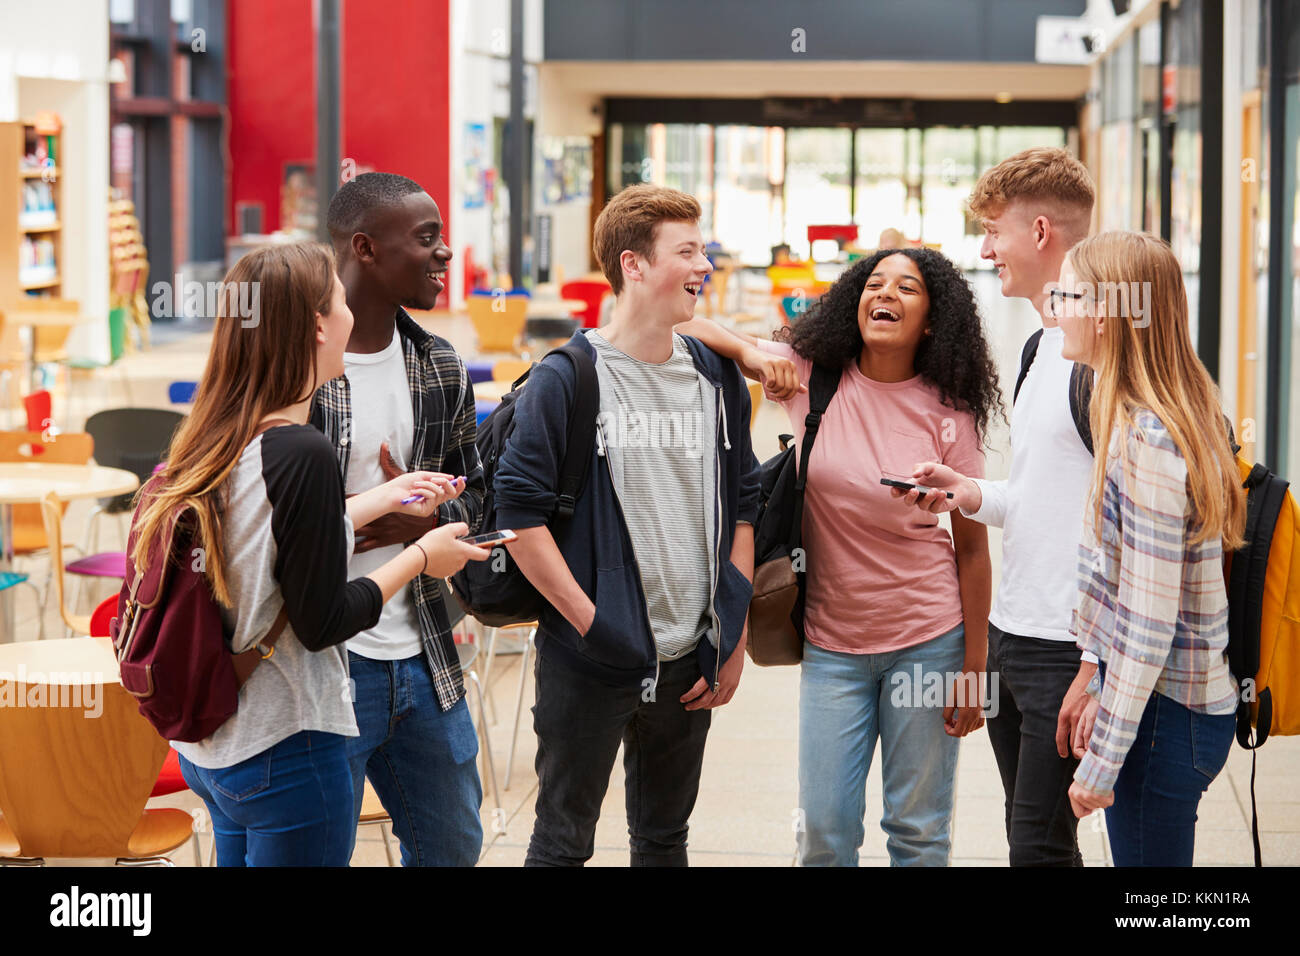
x: 1078, y: 318
x: 410, y: 251
x: 672, y: 280
x: 1010, y: 243
x: 894, y: 310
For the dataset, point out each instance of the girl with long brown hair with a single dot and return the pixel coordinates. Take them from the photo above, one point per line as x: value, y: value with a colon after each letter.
x: 276, y: 533
x: 1167, y: 501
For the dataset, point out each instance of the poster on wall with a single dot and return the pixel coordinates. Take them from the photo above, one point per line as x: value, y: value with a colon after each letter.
x: 566, y: 169
x: 474, y: 186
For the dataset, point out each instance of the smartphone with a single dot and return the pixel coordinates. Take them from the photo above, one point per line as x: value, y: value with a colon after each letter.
x: 489, y: 539
x: 909, y: 486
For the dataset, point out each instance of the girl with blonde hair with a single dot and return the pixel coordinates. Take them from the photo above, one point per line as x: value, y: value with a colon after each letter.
x: 1166, y: 503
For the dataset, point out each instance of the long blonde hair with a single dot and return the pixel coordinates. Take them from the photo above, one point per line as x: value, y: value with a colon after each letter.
x: 256, y: 365
x: 1147, y: 361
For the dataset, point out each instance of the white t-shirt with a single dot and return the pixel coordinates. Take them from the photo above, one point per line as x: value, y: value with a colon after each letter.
x: 1040, y: 505
x: 381, y: 411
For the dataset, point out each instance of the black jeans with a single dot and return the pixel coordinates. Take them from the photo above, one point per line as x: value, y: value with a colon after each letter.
x: 1033, y: 675
x: 580, y: 723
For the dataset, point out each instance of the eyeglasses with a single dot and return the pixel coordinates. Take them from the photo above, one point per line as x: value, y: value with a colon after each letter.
x: 1056, y: 300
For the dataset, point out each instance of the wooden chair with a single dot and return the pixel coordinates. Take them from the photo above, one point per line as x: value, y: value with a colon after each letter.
x: 75, y: 774
x: 508, y: 370
x: 498, y: 328
x: 755, y: 401
x: 52, y: 512
x: 66, y: 448
x: 374, y: 814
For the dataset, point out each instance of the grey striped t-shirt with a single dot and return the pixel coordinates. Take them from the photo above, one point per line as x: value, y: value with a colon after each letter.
x: 656, y: 424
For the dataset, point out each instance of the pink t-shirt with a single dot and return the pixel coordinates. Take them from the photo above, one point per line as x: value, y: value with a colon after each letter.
x: 882, y: 575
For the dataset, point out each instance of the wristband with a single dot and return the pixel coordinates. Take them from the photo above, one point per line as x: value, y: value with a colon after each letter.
x: 425, y: 569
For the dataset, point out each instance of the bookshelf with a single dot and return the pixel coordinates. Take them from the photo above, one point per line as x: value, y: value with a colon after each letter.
x: 31, y: 203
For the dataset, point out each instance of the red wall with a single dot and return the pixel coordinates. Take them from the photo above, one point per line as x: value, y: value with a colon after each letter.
x: 395, y: 82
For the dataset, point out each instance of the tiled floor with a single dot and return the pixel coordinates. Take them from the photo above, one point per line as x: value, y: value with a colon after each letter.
x: 748, y: 800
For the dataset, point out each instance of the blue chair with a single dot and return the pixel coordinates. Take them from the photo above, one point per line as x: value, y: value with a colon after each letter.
x: 483, y: 408
x: 480, y: 370
x: 10, y: 579
x: 182, y: 393
x: 795, y: 306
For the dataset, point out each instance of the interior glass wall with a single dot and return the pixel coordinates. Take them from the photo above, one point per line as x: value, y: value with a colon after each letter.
x: 1185, y: 189
x: 761, y: 187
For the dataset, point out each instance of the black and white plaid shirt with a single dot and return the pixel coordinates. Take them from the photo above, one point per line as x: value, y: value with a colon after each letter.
x: 443, y: 404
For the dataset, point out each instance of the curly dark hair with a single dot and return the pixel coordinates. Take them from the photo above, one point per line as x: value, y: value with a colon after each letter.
x: 955, y: 357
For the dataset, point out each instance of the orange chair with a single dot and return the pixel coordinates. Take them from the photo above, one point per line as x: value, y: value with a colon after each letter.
x: 508, y: 370
x: 592, y: 293
x: 755, y: 400
x: 498, y: 326
x: 67, y: 448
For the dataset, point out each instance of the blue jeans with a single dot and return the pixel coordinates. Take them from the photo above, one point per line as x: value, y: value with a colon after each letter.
x: 846, y: 702
x: 290, y: 805
x: 421, y: 761
x: 1174, y: 758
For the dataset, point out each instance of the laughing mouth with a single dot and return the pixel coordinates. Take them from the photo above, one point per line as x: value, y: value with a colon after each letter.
x: 883, y: 314
x: 693, y: 287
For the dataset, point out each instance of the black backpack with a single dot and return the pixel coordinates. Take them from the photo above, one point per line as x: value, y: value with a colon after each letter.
x: 495, y: 591
x: 1080, y: 389
x: 776, y: 610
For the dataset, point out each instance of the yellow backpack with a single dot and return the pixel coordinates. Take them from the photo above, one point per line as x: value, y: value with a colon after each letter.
x: 1263, y: 580
x: 1264, y: 610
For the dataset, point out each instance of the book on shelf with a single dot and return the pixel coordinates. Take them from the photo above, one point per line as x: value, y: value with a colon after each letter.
x: 38, y: 205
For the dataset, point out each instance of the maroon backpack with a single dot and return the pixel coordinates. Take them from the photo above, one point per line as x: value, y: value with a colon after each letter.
x: 172, y: 651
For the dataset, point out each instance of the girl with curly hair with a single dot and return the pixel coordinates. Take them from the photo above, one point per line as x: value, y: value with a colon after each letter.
x: 896, y: 611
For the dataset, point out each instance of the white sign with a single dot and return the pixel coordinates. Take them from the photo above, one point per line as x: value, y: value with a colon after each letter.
x: 1066, y: 40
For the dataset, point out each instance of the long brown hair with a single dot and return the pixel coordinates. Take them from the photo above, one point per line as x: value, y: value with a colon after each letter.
x: 258, y: 363
x: 1150, y: 363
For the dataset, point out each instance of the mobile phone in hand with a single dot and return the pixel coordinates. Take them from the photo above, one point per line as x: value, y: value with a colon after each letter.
x: 489, y: 539
x: 910, y: 486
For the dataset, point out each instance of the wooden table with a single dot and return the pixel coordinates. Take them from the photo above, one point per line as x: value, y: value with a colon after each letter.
x: 549, y: 307
x: 491, y: 391
x: 43, y: 313
x: 78, y: 660
x: 28, y: 482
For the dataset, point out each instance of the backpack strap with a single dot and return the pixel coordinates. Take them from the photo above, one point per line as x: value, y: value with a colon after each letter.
x: 246, y: 662
x: 582, y: 428
x: 1081, y: 403
x: 1246, y: 580
x: 1080, y: 389
x: 821, y: 389
x: 1026, y: 359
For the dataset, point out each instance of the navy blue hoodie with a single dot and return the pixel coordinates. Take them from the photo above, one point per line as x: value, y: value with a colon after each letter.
x: 619, y: 647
